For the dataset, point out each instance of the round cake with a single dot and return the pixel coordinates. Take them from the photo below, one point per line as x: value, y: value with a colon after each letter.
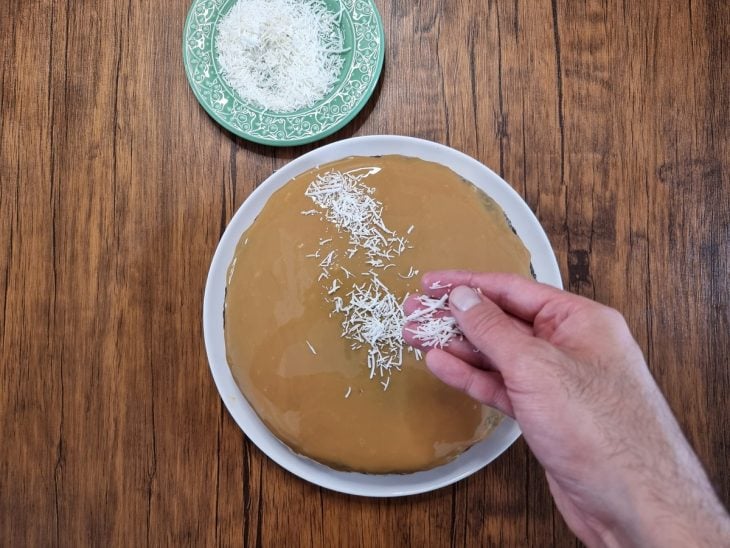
x: 313, y: 310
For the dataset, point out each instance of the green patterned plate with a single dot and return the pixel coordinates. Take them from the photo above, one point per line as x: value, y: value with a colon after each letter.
x: 362, y: 30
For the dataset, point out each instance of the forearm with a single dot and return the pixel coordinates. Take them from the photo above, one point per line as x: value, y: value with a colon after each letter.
x: 671, y: 503
x: 689, y: 515
x: 657, y: 493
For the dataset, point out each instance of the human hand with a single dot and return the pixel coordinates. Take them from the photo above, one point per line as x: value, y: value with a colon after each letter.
x: 569, y: 371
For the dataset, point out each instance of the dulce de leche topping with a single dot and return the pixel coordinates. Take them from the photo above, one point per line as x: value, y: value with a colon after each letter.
x: 285, y: 342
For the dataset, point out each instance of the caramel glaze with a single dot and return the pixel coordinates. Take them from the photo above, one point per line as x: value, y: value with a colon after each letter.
x: 274, y: 305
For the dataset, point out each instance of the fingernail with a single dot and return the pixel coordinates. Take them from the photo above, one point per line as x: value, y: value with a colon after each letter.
x: 463, y: 298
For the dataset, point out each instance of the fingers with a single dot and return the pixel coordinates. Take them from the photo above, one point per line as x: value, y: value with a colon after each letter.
x: 515, y: 294
x: 412, y: 304
x: 461, y: 348
x: 458, y: 346
x: 486, y: 387
x: 488, y: 328
x: 521, y: 325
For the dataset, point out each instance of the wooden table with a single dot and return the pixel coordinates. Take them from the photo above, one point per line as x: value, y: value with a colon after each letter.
x: 610, y: 118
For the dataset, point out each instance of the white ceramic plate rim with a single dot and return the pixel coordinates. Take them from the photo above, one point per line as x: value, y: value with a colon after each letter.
x: 385, y: 485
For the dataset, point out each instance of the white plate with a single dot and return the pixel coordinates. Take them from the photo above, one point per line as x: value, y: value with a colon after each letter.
x: 386, y: 485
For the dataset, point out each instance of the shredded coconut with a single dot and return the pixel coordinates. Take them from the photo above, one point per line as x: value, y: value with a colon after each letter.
x: 350, y: 206
x: 280, y: 55
x: 411, y: 274
x: 433, y: 327
x: 372, y: 316
x: 438, y: 285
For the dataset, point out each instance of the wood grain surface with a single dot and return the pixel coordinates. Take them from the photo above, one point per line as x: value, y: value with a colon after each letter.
x: 610, y: 118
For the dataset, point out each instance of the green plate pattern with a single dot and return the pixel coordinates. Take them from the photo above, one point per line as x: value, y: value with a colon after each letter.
x: 362, y: 31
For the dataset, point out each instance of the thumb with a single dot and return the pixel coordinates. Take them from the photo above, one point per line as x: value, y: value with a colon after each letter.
x: 487, y: 327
